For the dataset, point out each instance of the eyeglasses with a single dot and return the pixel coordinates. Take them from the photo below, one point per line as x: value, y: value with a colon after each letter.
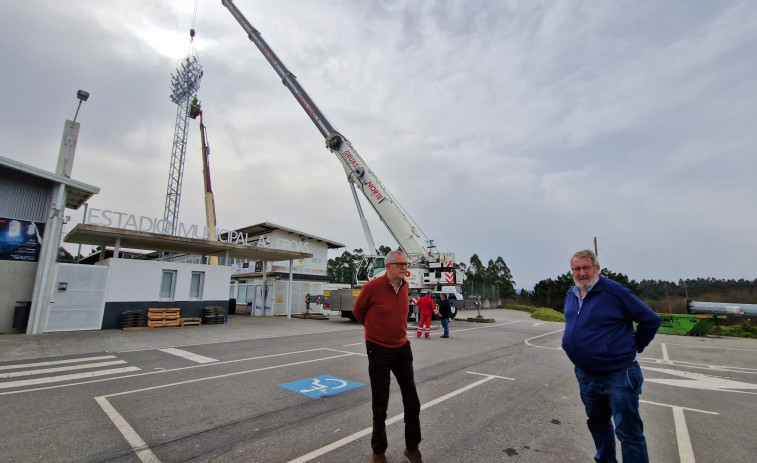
x: 584, y: 268
x: 398, y: 264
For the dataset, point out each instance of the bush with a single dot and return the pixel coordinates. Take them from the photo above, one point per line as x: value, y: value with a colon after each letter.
x: 548, y: 315
x: 744, y: 330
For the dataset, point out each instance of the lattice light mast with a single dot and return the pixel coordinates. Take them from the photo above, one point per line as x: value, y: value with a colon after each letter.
x: 184, y: 85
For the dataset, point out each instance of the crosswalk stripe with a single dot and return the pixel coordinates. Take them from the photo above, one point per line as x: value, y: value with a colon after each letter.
x: 188, y: 355
x: 54, y: 362
x: 43, y: 371
x: 55, y: 379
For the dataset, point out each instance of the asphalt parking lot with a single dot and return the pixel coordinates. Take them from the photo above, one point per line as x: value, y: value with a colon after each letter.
x: 288, y: 390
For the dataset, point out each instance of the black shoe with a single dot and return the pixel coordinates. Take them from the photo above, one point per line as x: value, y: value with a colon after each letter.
x: 444, y: 336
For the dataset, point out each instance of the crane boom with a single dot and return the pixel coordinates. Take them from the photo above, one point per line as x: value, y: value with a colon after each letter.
x: 210, y: 204
x: 358, y: 172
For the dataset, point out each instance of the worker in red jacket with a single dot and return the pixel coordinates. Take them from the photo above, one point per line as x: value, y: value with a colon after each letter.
x: 426, y: 307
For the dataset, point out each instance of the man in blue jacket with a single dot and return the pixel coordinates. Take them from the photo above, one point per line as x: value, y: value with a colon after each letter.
x: 600, y: 340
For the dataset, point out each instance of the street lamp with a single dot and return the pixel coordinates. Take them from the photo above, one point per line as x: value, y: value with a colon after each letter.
x: 82, y: 95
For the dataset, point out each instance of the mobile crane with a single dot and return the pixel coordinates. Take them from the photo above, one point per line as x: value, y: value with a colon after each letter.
x: 195, y: 110
x: 427, y: 270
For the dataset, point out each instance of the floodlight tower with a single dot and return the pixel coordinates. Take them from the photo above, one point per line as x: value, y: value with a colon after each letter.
x: 184, y: 84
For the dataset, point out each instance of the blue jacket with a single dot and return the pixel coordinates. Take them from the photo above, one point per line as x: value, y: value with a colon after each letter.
x: 599, y: 337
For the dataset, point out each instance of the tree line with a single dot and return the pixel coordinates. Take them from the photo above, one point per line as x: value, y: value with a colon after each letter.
x: 496, y: 278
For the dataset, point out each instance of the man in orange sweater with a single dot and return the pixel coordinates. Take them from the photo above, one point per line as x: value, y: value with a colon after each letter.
x: 382, y: 308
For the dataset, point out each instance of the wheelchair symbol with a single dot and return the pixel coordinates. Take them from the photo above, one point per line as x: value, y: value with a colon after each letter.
x: 317, y: 386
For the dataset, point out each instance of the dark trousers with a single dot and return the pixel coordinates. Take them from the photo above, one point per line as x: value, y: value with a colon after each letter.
x: 381, y: 361
x: 614, y: 397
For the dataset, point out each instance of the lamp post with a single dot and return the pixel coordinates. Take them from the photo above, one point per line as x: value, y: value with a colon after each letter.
x: 42, y: 293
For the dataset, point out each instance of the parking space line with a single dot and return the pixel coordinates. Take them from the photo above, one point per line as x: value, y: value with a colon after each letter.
x: 137, y: 444
x: 188, y: 355
x: 685, y: 449
x: 160, y: 372
x: 665, y: 356
x: 364, y: 432
x: 480, y: 327
x: 225, y: 375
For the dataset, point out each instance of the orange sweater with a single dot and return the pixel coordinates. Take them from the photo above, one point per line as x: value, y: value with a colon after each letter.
x: 383, y: 312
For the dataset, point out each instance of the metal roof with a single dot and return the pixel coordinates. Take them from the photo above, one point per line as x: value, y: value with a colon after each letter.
x: 77, y: 193
x: 97, y: 235
x: 267, y: 227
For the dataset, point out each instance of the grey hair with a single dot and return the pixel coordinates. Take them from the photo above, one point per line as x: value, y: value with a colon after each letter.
x: 391, y: 255
x: 587, y: 254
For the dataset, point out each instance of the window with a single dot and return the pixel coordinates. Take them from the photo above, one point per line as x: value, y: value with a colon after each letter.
x: 195, y: 286
x: 168, y: 285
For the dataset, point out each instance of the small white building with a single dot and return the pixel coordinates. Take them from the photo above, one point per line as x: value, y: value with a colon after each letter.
x: 262, y: 288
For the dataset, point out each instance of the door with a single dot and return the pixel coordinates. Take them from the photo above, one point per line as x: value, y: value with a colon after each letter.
x: 78, y: 298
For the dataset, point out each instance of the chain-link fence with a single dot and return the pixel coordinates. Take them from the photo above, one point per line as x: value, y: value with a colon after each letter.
x: 486, y: 291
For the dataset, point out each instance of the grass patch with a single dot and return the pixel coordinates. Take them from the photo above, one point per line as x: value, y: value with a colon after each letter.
x: 538, y: 313
x: 744, y: 330
x: 548, y: 315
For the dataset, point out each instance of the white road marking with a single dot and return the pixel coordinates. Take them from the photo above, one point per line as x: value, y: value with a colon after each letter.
x: 481, y: 327
x: 226, y: 375
x: 161, y: 371
x: 528, y: 343
x: 685, y: 450
x: 188, y: 355
x: 55, y: 362
x: 137, y: 444
x: 665, y: 356
x: 43, y: 371
x: 699, y: 381
x: 364, y: 432
x: 55, y: 379
x: 702, y: 366
x: 707, y: 412
x: 700, y: 346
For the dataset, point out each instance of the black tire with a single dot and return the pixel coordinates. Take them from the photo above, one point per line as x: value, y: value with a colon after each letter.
x: 453, y: 312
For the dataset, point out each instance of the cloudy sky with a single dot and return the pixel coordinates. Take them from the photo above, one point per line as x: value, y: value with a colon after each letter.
x: 514, y: 128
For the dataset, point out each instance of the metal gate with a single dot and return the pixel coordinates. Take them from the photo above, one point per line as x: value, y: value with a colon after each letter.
x: 78, y: 297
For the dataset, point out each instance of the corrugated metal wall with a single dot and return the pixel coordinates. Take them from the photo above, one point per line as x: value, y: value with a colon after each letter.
x: 23, y: 196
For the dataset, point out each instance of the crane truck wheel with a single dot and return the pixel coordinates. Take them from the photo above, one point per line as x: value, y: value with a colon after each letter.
x: 453, y: 312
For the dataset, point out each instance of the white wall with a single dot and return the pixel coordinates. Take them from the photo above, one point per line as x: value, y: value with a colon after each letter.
x: 139, y: 280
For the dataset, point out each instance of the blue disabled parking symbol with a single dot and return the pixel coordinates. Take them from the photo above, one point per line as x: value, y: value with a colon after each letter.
x: 321, y: 386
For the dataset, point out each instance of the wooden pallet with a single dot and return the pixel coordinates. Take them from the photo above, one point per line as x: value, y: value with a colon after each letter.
x: 163, y: 314
x: 162, y: 323
x: 190, y: 321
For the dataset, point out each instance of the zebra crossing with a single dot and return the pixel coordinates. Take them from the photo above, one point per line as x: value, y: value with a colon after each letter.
x: 33, y: 374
